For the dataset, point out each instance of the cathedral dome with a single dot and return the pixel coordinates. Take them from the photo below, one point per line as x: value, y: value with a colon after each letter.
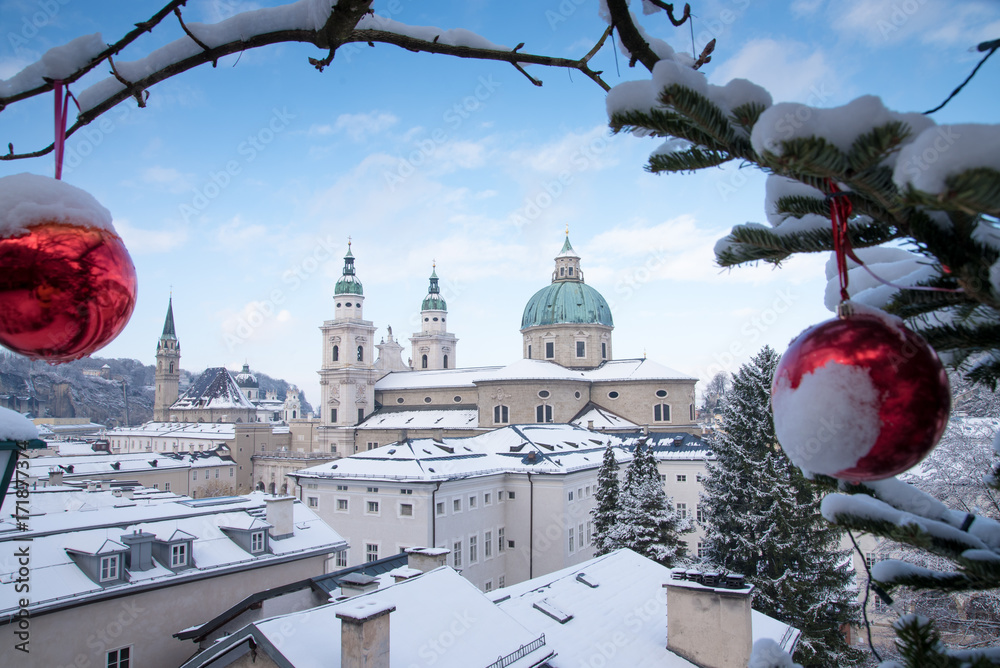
x: 245, y: 379
x: 348, y: 283
x: 433, y: 301
x: 568, y: 299
x: 566, y: 302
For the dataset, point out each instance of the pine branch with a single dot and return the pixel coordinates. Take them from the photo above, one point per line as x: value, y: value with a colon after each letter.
x: 755, y: 242
x: 811, y: 156
x: 801, y: 205
x: 974, y: 191
x: 746, y: 115
x: 704, y: 115
x: 662, y: 123
x: 690, y: 160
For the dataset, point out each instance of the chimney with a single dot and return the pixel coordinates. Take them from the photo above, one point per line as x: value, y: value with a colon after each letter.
x: 280, y: 516
x: 140, y: 550
x: 709, y: 624
x: 590, y: 425
x: 55, y: 477
x: 404, y: 573
x: 438, y: 434
x: 426, y: 559
x: 355, y: 584
x: 364, y: 634
x: 403, y: 435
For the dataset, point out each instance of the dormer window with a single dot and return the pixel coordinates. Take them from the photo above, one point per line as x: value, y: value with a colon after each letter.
x: 178, y: 555
x: 110, y: 568
x: 257, y: 542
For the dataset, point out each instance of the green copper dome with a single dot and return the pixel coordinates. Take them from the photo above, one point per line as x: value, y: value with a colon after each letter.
x: 433, y: 301
x: 566, y: 302
x: 348, y: 283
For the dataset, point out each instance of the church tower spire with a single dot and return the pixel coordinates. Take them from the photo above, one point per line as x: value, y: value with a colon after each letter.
x: 168, y: 367
x: 433, y: 346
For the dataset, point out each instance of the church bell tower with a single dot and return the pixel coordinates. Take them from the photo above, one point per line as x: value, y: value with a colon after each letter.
x: 168, y: 368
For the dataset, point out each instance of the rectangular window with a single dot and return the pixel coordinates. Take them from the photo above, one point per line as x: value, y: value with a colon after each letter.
x: 257, y: 541
x: 500, y: 496
x: 406, y: 491
x: 178, y: 555
x: 456, y: 505
x: 439, y: 508
x: 361, y: 415
x: 701, y: 551
x: 473, y: 549
x: 341, y: 488
x: 373, y: 490
x: 342, y: 504
x: 231, y: 471
x: 406, y: 509
x: 682, y: 510
x: 663, y: 479
x: 500, y: 540
x: 604, y: 351
x: 472, y: 502
x: 571, y: 496
x: 166, y: 487
x: 333, y: 415
x: 342, y: 559
x: 572, y: 546
x: 699, y: 477
x: 488, y: 586
x: 681, y: 477
x: 371, y: 552
x: 109, y: 568
x: 456, y: 553
x: 488, y: 545
x: 486, y: 499
x: 216, y: 473
x: 699, y: 513
x: 194, y: 475
x: 501, y: 582
x: 312, y: 501
x: 579, y: 535
x: 871, y: 559
x: 587, y: 491
x: 373, y: 507
x: 590, y: 533
x: 120, y: 658
x: 510, y: 495
x: 581, y: 348
x: 691, y: 411
x: 501, y: 414
x: 550, y: 350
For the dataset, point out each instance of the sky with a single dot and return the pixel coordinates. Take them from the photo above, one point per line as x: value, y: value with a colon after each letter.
x: 237, y: 187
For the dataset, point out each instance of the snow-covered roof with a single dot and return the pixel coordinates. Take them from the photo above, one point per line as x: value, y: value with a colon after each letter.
x: 192, y: 430
x: 534, y: 448
x: 73, y: 448
x: 437, y: 604
x: 105, y: 463
x: 614, y: 596
x: 214, y: 388
x: 602, y: 418
x: 524, y: 369
x: 16, y: 427
x: 438, y: 418
x: 57, y: 580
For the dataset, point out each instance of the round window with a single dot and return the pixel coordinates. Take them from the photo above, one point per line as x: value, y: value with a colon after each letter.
x: 457, y: 399
x: 338, y: 304
x: 348, y: 304
x: 612, y: 394
x: 576, y: 394
x: 426, y: 319
x: 543, y: 394
x: 661, y: 393
x: 400, y: 400
x: 427, y: 400
x: 442, y: 319
x: 435, y: 319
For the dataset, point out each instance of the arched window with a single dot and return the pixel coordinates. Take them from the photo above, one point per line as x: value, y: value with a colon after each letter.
x: 543, y: 413
x: 171, y: 367
x: 571, y: 271
x: 661, y: 413
x: 336, y: 353
x: 529, y: 351
x: 501, y: 414
x: 423, y: 361
x: 604, y: 351
x: 445, y: 361
x: 361, y: 354
x: 562, y: 271
x: 293, y: 415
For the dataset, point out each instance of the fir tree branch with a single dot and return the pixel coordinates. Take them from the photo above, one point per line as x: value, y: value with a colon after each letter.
x: 690, y: 160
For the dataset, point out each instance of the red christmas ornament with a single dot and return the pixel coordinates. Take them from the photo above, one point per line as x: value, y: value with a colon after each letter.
x: 859, y: 397
x: 68, y: 286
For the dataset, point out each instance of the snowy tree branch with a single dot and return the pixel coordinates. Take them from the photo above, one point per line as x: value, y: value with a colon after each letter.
x: 340, y: 28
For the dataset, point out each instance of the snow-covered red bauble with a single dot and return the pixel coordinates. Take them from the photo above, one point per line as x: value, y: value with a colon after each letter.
x: 67, y: 284
x: 860, y: 397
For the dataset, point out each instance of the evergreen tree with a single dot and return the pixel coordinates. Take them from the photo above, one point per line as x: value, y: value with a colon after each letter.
x: 763, y: 520
x: 605, y: 509
x: 879, y: 162
x: 647, y: 521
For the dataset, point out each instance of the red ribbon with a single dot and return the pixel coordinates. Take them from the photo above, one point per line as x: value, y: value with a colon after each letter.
x: 62, y: 104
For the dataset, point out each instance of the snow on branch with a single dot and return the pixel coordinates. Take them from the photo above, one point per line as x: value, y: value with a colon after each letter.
x: 319, y: 22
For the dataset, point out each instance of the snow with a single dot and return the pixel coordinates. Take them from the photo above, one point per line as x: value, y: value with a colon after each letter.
x: 453, y: 37
x: 777, y: 187
x: 57, y: 63
x: 947, y: 150
x: 836, y: 438
x: 840, y: 126
x: 768, y: 654
x: 892, y: 570
x: 16, y: 427
x: 890, y: 264
x: 31, y: 199
x: 417, y: 419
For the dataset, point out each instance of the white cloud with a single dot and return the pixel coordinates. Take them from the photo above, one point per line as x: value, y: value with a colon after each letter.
x: 255, y: 322
x: 801, y: 8
x: 168, y: 178
x: 237, y: 233
x: 573, y: 152
x: 360, y: 126
x: 787, y: 69
x: 143, y: 242
x: 885, y: 22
